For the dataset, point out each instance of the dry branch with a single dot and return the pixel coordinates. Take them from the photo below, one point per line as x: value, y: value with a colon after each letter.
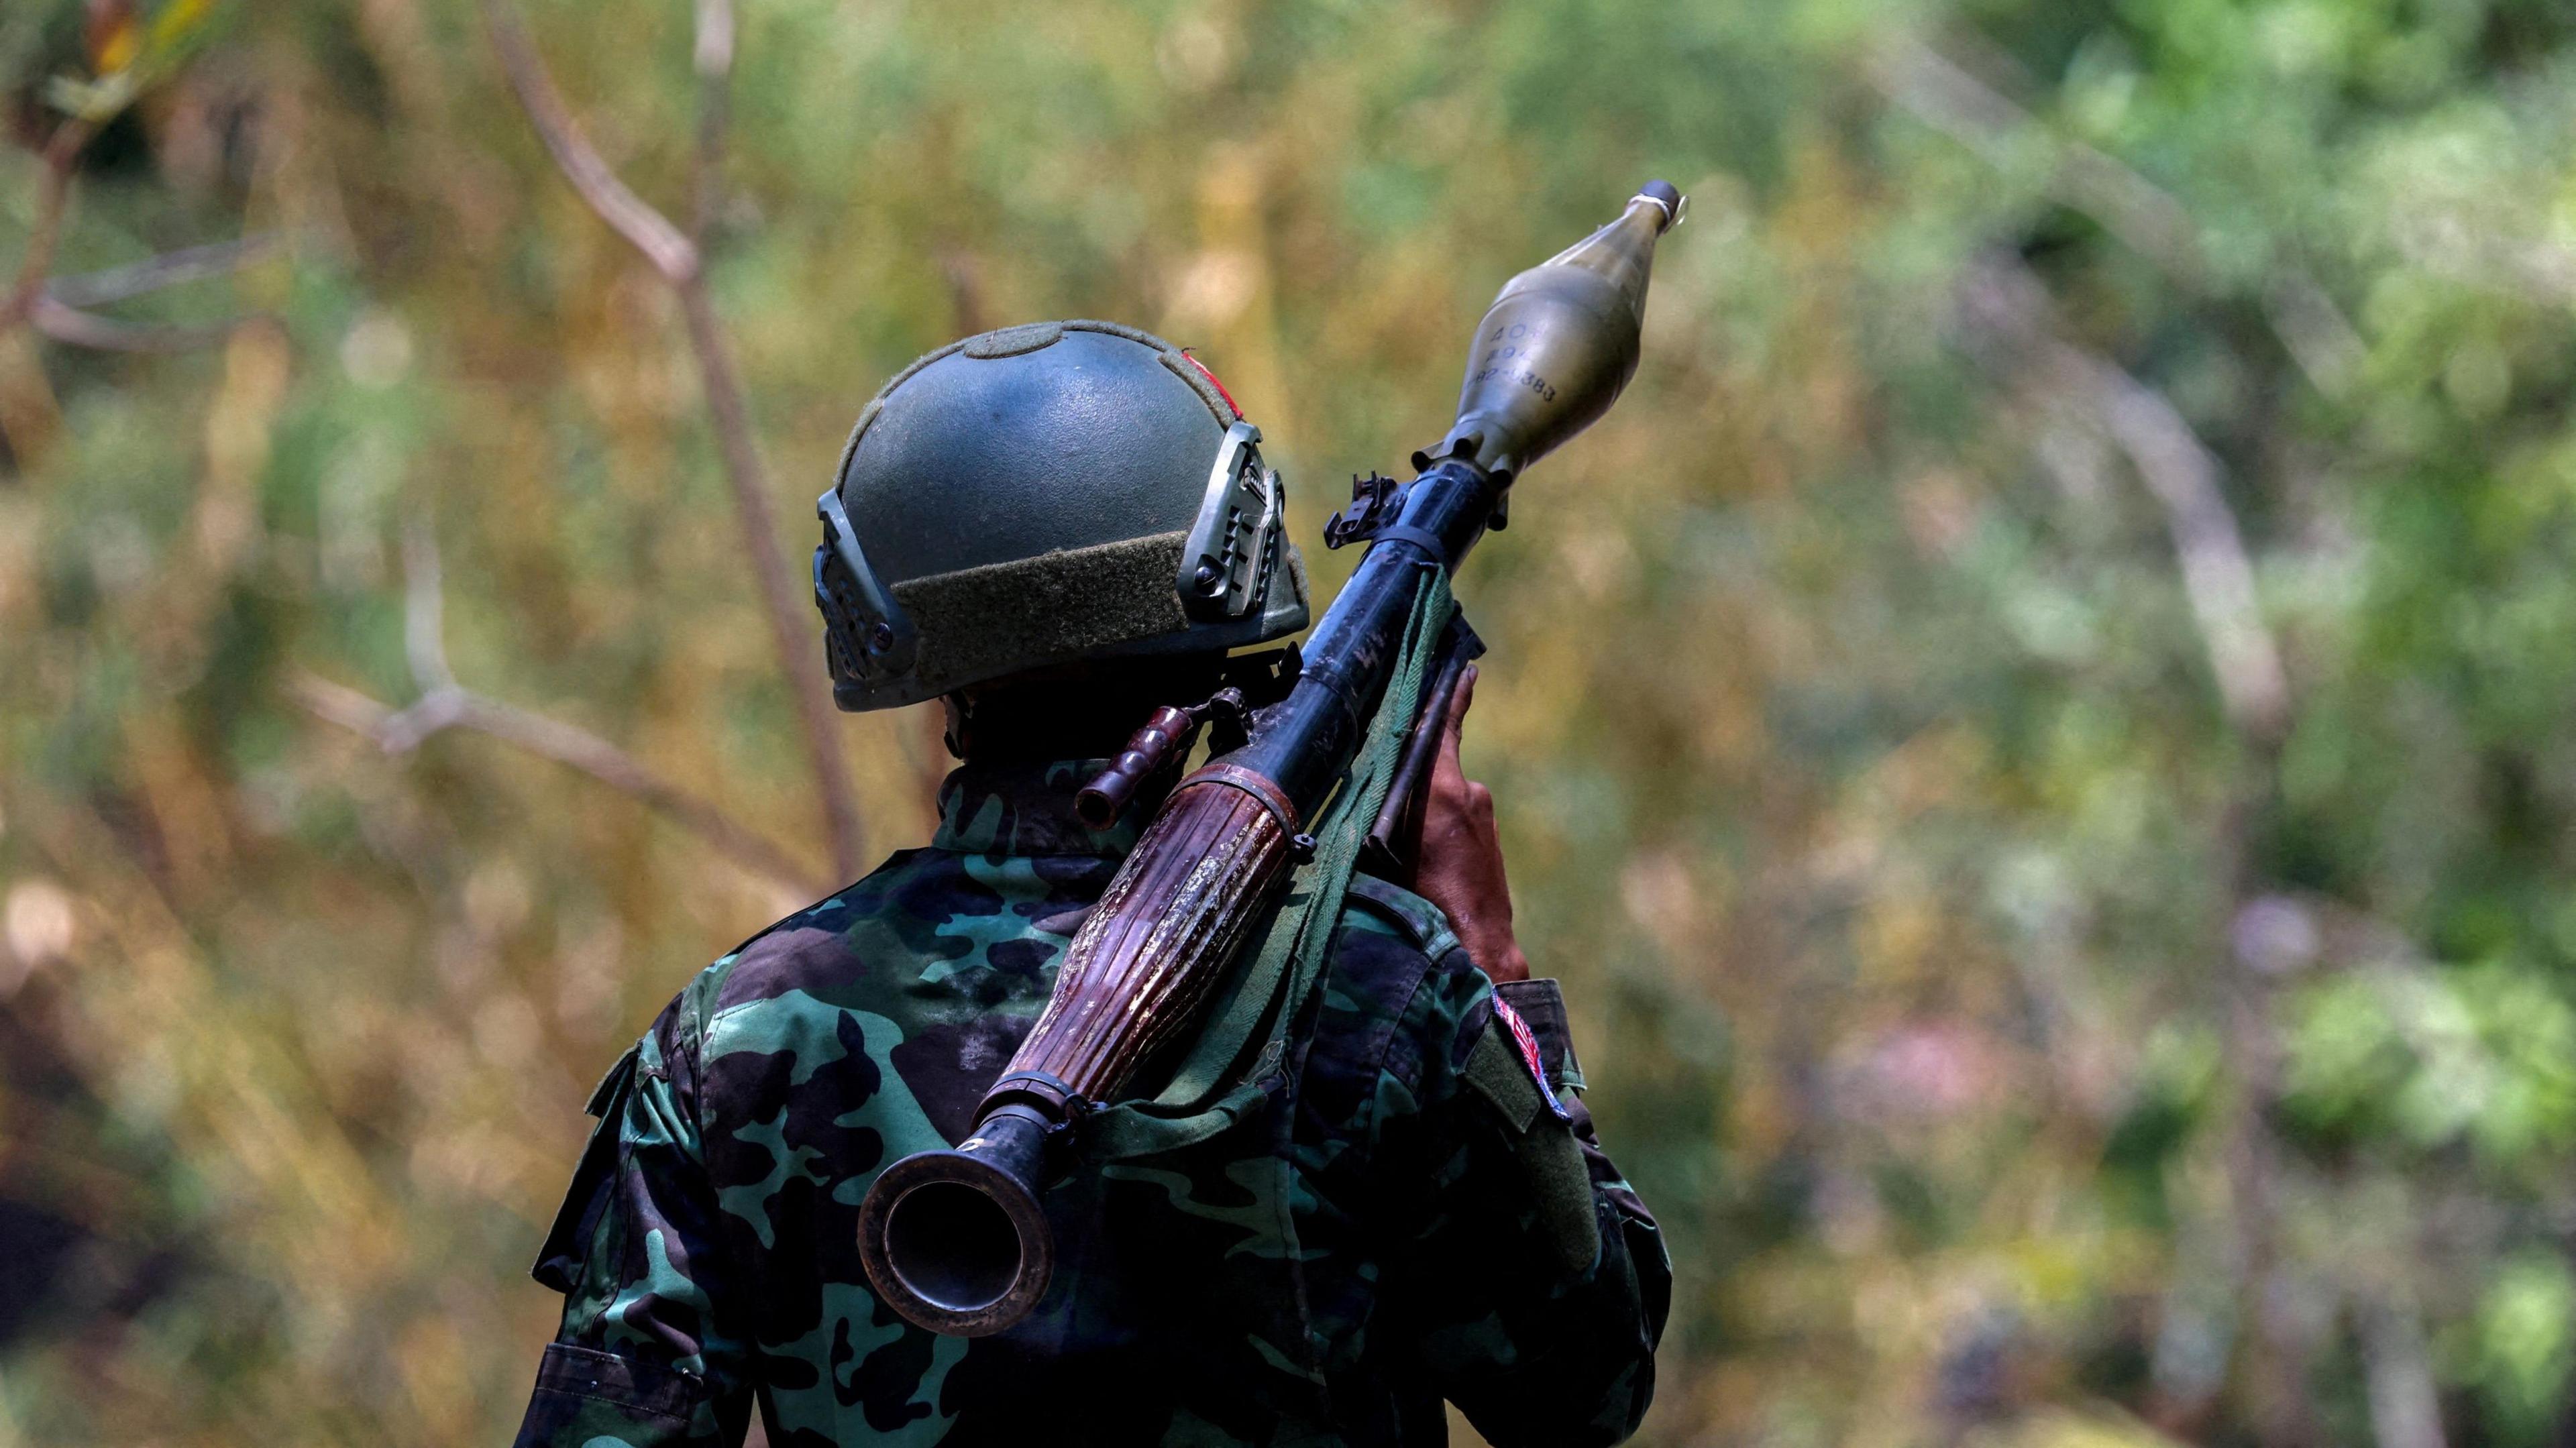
x: 75, y: 328
x: 169, y: 269
x: 53, y: 199
x: 679, y: 260
x: 399, y: 731
x: 1945, y: 96
x: 633, y: 217
x: 712, y: 57
x: 444, y: 704
x: 2009, y: 318
x: 2148, y: 219
x: 2004, y: 302
x: 58, y: 308
x: 2405, y: 1402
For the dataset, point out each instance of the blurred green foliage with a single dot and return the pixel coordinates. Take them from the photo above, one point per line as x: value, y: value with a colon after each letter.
x: 2032, y: 1031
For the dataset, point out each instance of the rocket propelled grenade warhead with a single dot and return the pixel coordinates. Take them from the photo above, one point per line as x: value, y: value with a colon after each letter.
x: 1558, y: 344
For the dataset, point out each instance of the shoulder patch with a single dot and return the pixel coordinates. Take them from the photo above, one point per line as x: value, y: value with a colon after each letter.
x: 1504, y: 1070
x: 1417, y: 921
x: 1491, y: 1070
x: 1526, y: 1042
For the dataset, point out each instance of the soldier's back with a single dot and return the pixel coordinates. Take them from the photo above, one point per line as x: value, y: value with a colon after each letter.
x: 1216, y: 1294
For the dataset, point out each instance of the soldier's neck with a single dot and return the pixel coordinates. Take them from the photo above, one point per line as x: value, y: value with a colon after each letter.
x: 1077, y: 712
x: 1027, y: 807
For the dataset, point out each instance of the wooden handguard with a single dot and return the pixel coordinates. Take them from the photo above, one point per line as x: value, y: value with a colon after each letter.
x: 1165, y: 930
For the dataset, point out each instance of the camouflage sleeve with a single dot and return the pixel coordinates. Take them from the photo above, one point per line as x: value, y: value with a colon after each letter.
x: 645, y: 1356
x: 1539, y: 1280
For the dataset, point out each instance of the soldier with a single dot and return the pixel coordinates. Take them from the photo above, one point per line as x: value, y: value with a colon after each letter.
x: 1419, y: 1212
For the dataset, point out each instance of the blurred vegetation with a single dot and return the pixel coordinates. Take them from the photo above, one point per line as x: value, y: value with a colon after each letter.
x: 2041, y: 735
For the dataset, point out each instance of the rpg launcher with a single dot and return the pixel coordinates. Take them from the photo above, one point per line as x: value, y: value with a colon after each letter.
x: 956, y: 1241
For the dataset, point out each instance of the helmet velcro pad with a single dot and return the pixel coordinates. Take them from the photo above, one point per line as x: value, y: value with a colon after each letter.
x: 980, y: 623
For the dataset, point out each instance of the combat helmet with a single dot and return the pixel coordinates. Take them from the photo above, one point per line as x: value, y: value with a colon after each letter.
x: 1047, y: 494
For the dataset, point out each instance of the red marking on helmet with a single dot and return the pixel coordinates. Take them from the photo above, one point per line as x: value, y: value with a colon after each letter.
x: 1212, y: 382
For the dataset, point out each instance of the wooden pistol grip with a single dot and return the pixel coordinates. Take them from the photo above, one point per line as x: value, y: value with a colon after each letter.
x: 1150, y: 748
x: 1171, y: 922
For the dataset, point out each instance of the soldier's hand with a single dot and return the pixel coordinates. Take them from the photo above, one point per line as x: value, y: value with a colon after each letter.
x: 1461, y: 868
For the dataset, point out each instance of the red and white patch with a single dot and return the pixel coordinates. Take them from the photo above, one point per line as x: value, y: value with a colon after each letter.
x: 1527, y: 1040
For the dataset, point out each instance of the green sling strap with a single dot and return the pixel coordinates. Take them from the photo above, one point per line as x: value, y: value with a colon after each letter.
x: 1246, y: 1034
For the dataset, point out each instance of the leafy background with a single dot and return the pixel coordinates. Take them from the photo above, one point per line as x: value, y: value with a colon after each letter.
x: 2041, y: 734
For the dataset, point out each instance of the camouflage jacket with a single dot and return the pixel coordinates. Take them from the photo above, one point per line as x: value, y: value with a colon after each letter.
x: 1408, y: 1217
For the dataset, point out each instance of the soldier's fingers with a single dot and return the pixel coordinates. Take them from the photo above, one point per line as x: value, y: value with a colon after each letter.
x: 1456, y: 728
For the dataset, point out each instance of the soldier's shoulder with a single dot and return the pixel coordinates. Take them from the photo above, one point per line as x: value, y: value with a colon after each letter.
x: 1377, y: 907
x: 1399, y: 999
x: 799, y: 957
